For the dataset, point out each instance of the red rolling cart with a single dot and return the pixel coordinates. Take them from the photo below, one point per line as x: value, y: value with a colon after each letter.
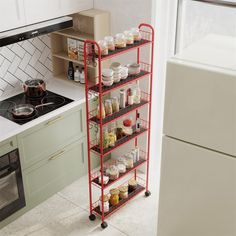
x: 90, y: 47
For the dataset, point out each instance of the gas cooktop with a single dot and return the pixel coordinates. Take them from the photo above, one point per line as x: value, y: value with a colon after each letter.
x: 50, y: 97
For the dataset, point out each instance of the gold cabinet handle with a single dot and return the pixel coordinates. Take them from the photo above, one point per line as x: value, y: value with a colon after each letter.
x: 50, y: 122
x: 56, y: 155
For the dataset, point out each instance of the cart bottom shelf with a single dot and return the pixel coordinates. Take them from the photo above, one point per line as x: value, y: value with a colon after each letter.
x: 122, y: 202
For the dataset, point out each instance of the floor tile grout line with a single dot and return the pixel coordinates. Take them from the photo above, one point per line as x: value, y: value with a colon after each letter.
x: 69, y: 200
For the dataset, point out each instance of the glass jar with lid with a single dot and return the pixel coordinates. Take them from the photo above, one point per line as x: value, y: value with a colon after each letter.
x: 129, y: 37
x: 123, y: 192
x: 108, y: 107
x: 105, y: 203
x: 103, y: 47
x: 110, y: 43
x: 120, y: 41
x: 115, y: 104
x: 114, y: 199
x: 113, y: 173
x: 129, y: 161
x: 136, y: 34
x: 105, y: 139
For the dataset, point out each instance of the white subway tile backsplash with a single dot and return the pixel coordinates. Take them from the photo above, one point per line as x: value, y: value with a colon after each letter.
x: 31, y: 71
x: 14, y: 65
x: 21, y: 75
x: 44, y: 54
x: 35, y: 57
x: 4, y: 67
x: 39, y: 44
x: 29, y: 47
x: 7, y: 54
x: 25, y: 60
x: 41, y: 68
x: 18, y: 50
x: 11, y: 79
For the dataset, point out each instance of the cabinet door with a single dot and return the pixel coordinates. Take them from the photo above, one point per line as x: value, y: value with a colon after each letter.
x: 42, y: 140
x: 54, y: 173
x: 11, y: 14
x: 41, y: 10
x: 200, y: 106
x: 74, y: 6
x: 197, y: 193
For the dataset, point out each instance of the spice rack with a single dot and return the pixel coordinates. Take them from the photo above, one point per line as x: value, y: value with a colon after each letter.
x: 94, y: 119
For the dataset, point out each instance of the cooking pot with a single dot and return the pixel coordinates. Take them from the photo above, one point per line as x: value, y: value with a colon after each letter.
x: 34, y: 88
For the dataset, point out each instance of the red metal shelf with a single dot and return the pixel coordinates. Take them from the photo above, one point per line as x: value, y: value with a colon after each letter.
x: 128, y: 80
x: 122, y: 202
x: 90, y: 47
x: 128, y: 48
x: 137, y: 164
x: 117, y: 115
x: 119, y: 143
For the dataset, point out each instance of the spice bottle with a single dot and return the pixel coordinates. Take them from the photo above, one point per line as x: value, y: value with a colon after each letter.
x: 103, y: 112
x: 115, y: 104
x: 130, y: 97
x: 138, y: 123
x: 108, y: 107
x: 77, y: 74
x: 122, y: 98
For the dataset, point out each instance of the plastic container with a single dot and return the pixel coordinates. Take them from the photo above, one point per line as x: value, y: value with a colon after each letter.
x: 121, y: 167
x: 113, y: 173
x: 105, y: 179
x: 134, y: 69
x: 110, y: 43
x: 129, y: 161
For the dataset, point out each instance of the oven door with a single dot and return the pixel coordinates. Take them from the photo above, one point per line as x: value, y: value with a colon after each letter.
x: 11, y: 185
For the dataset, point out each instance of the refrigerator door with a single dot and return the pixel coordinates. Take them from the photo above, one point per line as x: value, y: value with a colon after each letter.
x: 197, y: 193
x: 200, y: 105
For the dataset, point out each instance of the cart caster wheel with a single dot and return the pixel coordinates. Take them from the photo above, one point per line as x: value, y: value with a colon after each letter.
x: 92, y: 217
x: 147, y: 193
x: 104, y: 224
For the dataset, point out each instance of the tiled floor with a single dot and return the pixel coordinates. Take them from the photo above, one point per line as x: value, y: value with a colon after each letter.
x: 66, y: 213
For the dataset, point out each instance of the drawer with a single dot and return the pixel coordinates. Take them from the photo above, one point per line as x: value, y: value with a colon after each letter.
x: 54, y: 173
x: 200, y: 107
x: 8, y: 145
x: 50, y: 136
x: 197, y: 191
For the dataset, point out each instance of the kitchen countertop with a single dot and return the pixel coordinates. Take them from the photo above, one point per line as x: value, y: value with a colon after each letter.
x: 66, y: 88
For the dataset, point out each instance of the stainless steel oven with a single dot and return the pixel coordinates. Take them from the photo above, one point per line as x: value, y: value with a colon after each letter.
x: 11, y: 185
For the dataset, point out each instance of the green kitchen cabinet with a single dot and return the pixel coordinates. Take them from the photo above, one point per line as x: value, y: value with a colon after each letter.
x: 52, y: 174
x: 46, y: 138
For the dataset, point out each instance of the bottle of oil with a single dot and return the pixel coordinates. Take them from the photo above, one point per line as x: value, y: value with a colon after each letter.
x: 71, y: 71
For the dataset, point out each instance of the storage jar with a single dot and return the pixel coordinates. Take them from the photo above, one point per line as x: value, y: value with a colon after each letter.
x: 120, y: 41
x: 110, y: 43
x: 136, y: 34
x: 105, y: 203
x: 103, y: 47
x: 129, y: 37
x: 132, y: 185
x: 123, y: 192
x: 114, y: 199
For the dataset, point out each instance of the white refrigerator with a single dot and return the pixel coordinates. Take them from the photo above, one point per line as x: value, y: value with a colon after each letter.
x: 198, y: 168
